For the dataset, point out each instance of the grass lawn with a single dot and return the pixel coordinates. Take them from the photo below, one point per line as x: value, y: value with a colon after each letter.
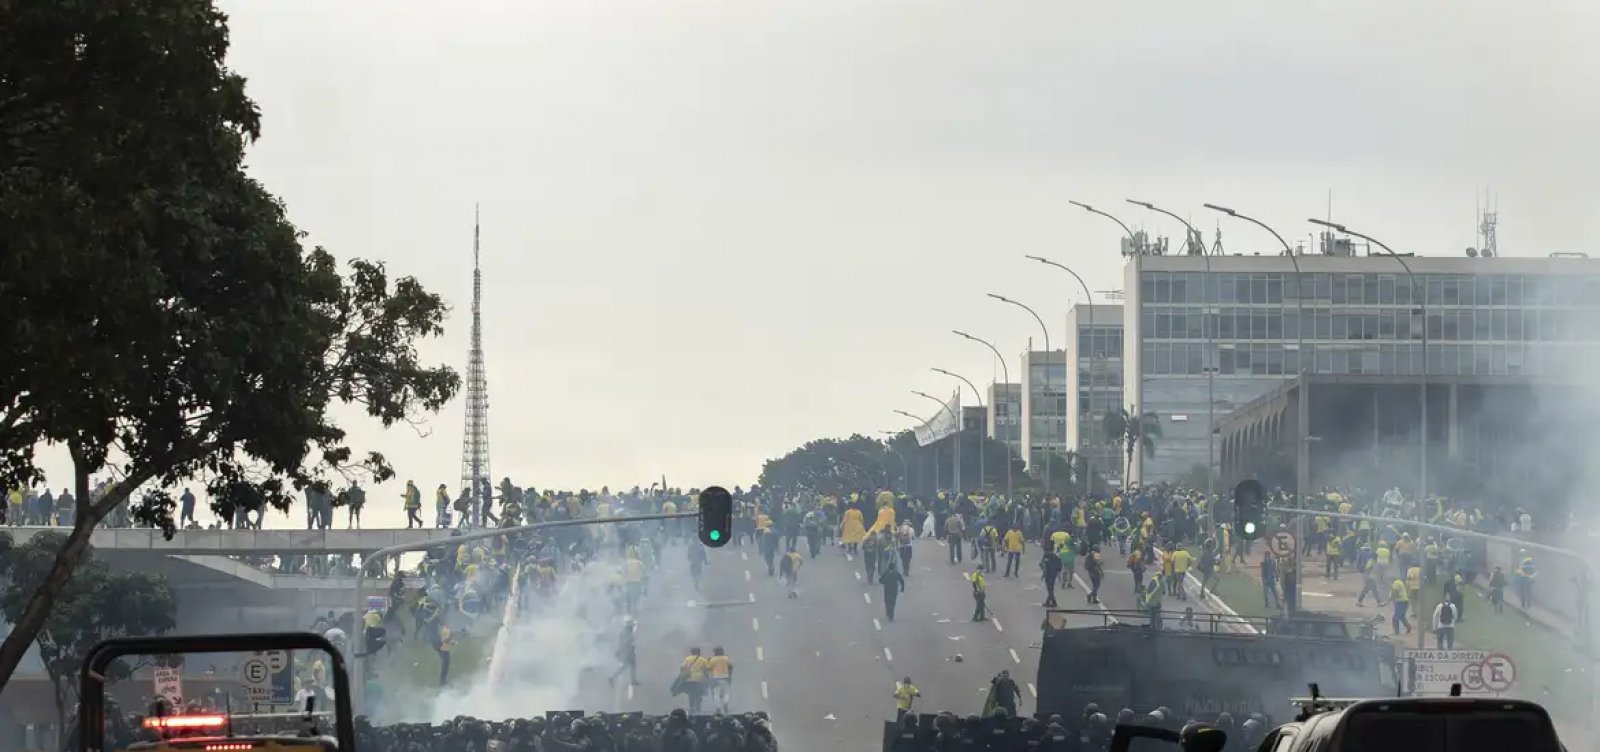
x: 1241, y: 591
x: 414, y: 664
x: 1549, y: 669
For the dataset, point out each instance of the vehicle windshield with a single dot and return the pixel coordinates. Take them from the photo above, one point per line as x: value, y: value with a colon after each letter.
x: 427, y: 327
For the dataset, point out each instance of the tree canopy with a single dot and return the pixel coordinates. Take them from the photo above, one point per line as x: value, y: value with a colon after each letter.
x: 171, y: 322
x: 97, y: 604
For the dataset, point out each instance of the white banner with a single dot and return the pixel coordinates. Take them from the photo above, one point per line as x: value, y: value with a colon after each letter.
x: 943, y: 423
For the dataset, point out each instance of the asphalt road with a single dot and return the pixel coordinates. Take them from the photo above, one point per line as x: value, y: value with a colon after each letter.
x: 824, y: 664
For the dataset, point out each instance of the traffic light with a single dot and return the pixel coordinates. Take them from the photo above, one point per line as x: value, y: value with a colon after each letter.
x: 1250, y: 509
x: 716, y: 516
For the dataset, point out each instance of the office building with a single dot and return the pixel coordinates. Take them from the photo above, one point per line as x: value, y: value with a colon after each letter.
x: 1004, y: 405
x: 1094, y: 386
x: 1206, y: 335
x: 1044, y: 405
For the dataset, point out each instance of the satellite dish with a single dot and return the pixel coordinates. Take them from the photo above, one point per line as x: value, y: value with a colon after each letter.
x: 1472, y: 253
x: 1487, y: 253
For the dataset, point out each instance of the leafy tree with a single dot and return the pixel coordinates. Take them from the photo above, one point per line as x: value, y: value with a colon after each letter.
x: 830, y: 466
x: 97, y: 604
x: 1134, y: 433
x: 172, y: 323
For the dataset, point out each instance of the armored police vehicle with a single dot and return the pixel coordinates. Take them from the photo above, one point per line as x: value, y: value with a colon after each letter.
x: 1207, y: 665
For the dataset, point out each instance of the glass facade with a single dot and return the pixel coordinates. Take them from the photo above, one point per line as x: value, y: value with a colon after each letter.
x: 1244, y: 330
x: 1475, y: 324
x: 1045, y: 405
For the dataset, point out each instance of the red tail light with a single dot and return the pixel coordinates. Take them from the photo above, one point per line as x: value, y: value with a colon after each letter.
x: 186, y: 722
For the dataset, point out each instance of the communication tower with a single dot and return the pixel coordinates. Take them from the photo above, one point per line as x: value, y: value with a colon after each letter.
x: 475, y: 439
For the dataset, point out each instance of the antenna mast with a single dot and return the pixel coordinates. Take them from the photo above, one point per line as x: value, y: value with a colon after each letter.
x: 475, y: 439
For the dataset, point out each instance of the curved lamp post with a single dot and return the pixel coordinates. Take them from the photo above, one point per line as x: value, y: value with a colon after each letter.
x: 955, y: 474
x: 1005, y: 373
x: 1089, y: 300
x: 1046, y: 331
x: 960, y: 429
x: 1211, y: 371
x: 1422, y: 309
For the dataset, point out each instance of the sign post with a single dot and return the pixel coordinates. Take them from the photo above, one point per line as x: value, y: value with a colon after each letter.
x: 169, y: 684
x: 1282, y: 544
x: 1479, y: 672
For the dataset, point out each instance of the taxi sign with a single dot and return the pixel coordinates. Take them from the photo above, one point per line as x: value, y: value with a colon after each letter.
x: 1282, y: 544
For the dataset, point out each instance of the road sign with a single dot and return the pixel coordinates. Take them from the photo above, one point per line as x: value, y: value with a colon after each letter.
x: 169, y: 684
x: 256, y: 674
x: 276, y: 660
x: 1494, y: 675
x: 1479, y: 672
x: 1281, y: 544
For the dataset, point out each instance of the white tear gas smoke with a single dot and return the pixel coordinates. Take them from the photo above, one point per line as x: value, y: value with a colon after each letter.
x: 550, y: 644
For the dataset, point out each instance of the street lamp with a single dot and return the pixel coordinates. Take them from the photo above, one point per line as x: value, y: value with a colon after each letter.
x: 982, y: 476
x: 955, y: 475
x: 905, y: 464
x: 1005, y: 373
x: 1422, y: 311
x: 1089, y: 300
x: 1211, y: 350
x: 1302, y: 448
x: 1133, y: 241
x: 1046, y: 331
x: 923, y: 421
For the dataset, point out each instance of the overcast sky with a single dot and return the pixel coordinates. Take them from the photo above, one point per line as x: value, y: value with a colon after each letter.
x: 713, y: 230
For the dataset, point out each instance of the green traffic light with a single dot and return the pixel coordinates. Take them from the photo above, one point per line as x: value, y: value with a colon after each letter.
x: 1249, y: 528
x: 716, y: 535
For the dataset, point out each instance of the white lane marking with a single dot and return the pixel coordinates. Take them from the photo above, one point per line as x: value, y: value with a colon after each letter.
x: 763, y: 690
x: 752, y: 597
x: 746, y: 575
x: 630, y: 692
x: 755, y: 624
x: 1032, y: 690
x: 761, y: 655
x: 997, y: 626
x: 878, y: 625
x: 888, y: 656
x: 744, y: 556
x: 1014, y: 655
x: 858, y: 576
x: 867, y: 597
x: 849, y: 557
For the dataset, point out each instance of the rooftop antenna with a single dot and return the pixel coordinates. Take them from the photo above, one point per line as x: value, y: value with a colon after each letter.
x: 1488, y: 219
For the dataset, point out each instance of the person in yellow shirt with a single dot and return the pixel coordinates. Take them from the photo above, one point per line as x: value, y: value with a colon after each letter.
x: 633, y: 580
x: 1414, y: 581
x: 904, y: 693
x: 1402, y: 600
x: 413, y: 504
x: 692, y: 679
x: 445, y: 644
x: 1177, y: 568
x: 719, y: 668
x: 1014, y: 547
x: 1335, y: 552
x: 979, y: 593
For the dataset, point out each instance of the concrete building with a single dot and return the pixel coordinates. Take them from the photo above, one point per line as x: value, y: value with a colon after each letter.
x: 974, y: 418
x: 1094, y: 385
x: 1218, y: 332
x: 1044, y: 403
x: 1004, y: 405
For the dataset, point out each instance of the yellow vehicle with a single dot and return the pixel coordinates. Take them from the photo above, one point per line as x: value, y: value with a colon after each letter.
x: 166, y: 728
